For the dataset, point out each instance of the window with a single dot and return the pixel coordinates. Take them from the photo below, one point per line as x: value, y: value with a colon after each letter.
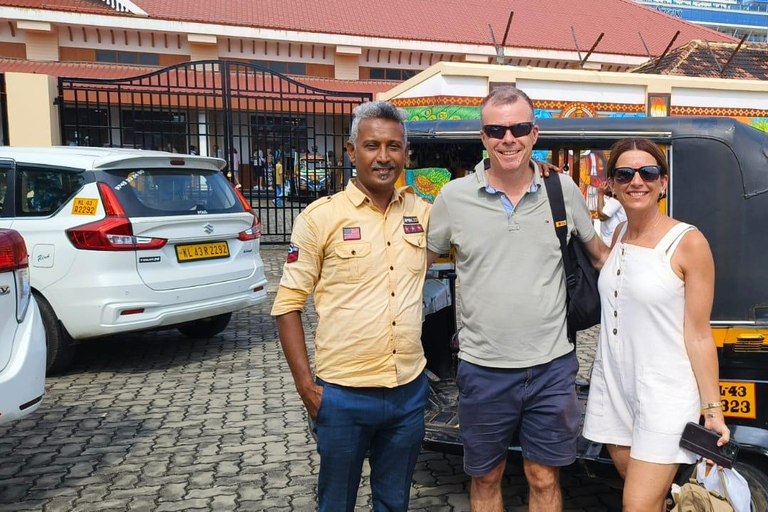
x: 4, y: 172
x: 86, y: 126
x: 155, y: 129
x: 148, y: 59
x: 297, y: 68
x: 152, y: 192
x: 42, y: 191
x: 290, y: 68
x: 391, y: 74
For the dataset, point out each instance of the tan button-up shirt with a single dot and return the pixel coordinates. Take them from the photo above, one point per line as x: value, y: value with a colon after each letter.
x: 366, y: 270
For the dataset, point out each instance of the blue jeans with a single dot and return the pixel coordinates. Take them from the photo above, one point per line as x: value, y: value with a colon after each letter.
x: 388, y: 422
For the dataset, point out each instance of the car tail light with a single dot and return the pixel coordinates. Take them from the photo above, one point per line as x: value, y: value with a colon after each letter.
x: 112, y: 233
x: 243, y: 200
x: 13, y: 258
x: 253, y: 232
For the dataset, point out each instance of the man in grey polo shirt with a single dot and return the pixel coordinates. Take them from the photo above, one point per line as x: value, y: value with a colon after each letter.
x: 517, y: 367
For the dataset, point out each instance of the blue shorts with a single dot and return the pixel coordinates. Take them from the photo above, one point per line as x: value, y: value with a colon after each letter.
x: 541, y: 401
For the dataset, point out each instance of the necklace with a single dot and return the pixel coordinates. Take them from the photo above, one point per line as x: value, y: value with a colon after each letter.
x: 646, y: 232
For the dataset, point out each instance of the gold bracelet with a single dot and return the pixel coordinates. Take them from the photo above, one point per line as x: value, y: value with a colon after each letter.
x: 712, y: 405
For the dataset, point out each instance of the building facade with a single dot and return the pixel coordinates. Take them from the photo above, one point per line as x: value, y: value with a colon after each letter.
x: 738, y: 18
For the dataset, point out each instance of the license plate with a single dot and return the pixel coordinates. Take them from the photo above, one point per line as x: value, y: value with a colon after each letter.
x: 195, y: 252
x: 738, y: 399
x: 83, y: 206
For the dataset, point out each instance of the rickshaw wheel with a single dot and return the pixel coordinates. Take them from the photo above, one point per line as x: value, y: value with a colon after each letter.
x: 756, y: 479
x: 758, y: 485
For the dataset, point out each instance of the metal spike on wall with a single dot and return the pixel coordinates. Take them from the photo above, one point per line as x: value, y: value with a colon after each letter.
x: 125, y: 6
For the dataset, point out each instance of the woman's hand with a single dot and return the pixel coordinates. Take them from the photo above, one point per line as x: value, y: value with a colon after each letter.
x: 715, y: 421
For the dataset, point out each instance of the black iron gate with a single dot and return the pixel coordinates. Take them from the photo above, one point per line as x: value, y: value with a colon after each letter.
x: 248, y: 115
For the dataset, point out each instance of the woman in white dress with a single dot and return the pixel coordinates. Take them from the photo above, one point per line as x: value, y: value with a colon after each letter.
x: 656, y: 364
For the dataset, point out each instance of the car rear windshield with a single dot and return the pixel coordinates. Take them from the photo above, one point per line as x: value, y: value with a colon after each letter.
x: 162, y: 191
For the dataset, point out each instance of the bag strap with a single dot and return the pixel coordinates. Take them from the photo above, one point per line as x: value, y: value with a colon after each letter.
x: 559, y: 217
x: 725, y: 487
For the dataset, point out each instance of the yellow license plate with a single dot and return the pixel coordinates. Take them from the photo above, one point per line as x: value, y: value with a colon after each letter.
x: 738, y: 399
x: 83, y: 206
x: 194, y: 252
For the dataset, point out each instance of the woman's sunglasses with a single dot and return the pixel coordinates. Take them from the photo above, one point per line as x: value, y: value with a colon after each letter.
x: 498, y: 131
x: 626, y: 174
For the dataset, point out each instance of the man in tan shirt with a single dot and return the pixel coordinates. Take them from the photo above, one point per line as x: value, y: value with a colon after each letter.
x: 362, y: 253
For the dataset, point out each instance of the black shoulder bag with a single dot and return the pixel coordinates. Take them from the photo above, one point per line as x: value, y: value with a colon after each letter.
x: 583, y: 304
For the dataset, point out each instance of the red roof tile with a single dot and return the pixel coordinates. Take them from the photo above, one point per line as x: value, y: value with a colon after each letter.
x: 83, y: 6
x: 113, y: 71
x: 699, y: 59
x: 537, y: 23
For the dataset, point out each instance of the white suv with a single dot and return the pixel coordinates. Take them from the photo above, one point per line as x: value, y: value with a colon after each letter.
x: 22, y: 338
x: 125, y: 240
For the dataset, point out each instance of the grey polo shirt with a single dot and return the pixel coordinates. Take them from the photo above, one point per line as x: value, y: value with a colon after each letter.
x: 509, y: 267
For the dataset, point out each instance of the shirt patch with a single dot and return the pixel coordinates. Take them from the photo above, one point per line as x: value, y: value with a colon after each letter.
x: 351, y: 233
x: 413, y: 228
x: 410, y: 220
x: 293, y: 253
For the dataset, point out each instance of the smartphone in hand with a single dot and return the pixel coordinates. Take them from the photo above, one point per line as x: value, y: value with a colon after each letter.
x: 703, y: 442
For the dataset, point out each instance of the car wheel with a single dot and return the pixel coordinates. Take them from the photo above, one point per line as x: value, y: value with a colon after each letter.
x: 205, y: 328
x: 61, y: 351
x: 756, y: 479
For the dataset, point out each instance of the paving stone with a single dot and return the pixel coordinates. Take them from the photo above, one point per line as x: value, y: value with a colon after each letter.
x: 212, y: 492
x: 158, y: 422
x: 197, y: 504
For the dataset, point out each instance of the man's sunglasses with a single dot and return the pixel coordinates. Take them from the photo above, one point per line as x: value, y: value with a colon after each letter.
x: 626, y: 174
x: 498, y: 131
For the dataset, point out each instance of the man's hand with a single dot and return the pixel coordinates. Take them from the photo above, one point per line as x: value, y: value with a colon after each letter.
x: 545, y: 168
x: 603, y: 189
x: 312, y: 396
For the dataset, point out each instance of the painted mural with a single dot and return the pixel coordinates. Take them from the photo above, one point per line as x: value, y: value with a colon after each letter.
x: 441, y: 108
x: 426, y: 182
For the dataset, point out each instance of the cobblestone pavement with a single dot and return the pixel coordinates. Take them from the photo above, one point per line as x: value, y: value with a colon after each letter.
x: 158, y: 422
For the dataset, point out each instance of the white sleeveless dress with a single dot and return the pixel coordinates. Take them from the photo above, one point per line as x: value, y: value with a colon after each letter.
x: 642, y: 390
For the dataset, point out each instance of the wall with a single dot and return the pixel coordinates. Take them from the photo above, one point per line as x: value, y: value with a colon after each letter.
x: 454, y: 91
x: 33, y: 119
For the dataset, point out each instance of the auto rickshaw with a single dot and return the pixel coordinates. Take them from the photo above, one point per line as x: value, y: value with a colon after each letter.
x: 719, y: 183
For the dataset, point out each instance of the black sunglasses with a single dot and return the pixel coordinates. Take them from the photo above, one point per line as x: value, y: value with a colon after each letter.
x: 498, y: 131
x: 626, y: 174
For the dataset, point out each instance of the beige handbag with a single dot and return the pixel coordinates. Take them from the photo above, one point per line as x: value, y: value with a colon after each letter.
x: 694, y: 497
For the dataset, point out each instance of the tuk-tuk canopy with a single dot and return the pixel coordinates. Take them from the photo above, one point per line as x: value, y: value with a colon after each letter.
x: 749, y: 145
x: 718, y: 183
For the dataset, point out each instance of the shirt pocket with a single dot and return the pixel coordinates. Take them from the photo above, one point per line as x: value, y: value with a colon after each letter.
x: 354, y: 260
x: 415, y: 252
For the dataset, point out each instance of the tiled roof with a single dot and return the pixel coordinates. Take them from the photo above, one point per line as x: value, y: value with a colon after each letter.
x: 83, y: 6
x: 113, y: 71
x: 698, y: 58
x: 78, y: 69
x: 537, y: 23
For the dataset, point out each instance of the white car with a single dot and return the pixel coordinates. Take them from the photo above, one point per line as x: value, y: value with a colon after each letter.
x: 22, y: 338
x: 125, y: 240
